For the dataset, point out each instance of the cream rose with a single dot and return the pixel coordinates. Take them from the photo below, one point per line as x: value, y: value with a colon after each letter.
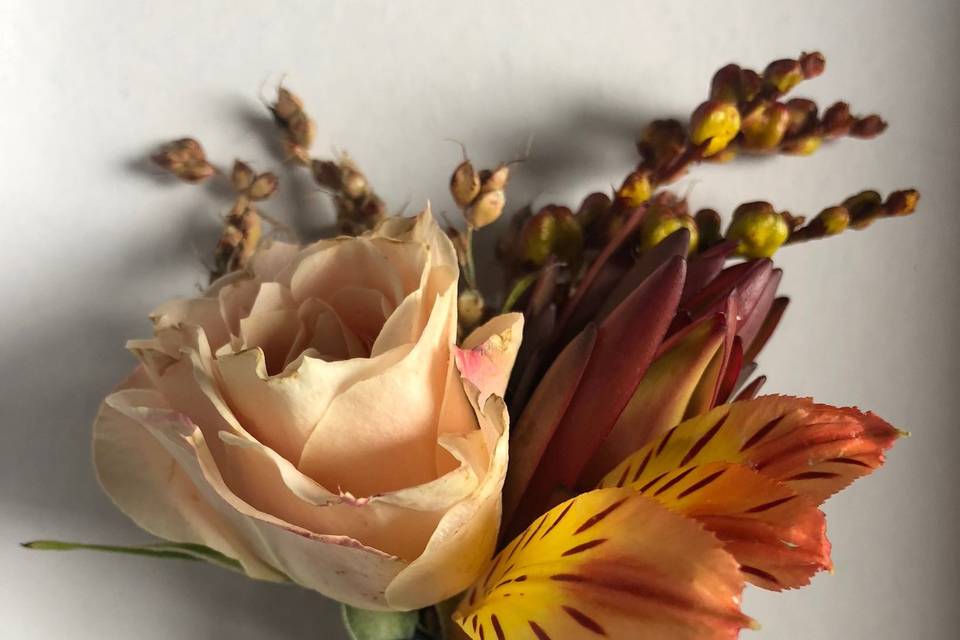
x: 314, y: 419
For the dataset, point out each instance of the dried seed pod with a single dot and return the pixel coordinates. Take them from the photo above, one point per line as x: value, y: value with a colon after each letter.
x: 242, y: 176
x: 758, y: 229
x: 264, y: 186
x: 464, y: 184
x: 327, y: 174
x: 352, y: 182
x: 486, y: 209
x: 241, y: 235
x: 299, y: 130
x: 186, y: 159
x: 470, y: 308
x: 495, y: 180
x: 716, y: 122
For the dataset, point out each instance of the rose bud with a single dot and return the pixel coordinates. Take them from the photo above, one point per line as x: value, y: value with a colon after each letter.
x: 464, y: 184
x: 314, y: 420
x: 264, y: 186
x: 758, y: 229
x: 718, y: 122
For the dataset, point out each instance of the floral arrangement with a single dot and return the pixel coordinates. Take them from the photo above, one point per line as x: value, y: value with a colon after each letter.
x: 579, y: 453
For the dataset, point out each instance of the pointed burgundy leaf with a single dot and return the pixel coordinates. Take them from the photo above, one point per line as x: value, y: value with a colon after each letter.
x: 767, y: 328
x: 705, y: 267
x: 627, y: 341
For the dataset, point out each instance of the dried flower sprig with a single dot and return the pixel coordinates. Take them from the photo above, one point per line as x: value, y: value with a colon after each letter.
x: 358, y: 207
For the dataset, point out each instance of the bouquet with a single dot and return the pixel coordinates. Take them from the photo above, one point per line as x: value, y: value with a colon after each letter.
x: 579, y: 452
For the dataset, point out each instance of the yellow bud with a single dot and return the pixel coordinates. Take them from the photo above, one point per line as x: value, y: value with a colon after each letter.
x: 485, y: 209
x: 662, y: 223
x: 765, y: 127
x: 758, y: 229
x: 803, y: 146
x: 834, y: 220
x: 464, y: 184
x: 636, y: 189
x: 718, y: 122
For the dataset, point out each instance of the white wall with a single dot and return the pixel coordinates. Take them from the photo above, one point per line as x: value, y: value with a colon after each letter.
x: 92, y: 242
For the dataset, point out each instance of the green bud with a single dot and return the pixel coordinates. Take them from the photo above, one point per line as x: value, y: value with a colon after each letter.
x: 636, y: 189
x: 758, y: 229
x: 553, y: 231
x: 661, y: 221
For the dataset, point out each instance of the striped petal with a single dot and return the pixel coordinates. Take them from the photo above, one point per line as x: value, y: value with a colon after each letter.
x: 815, y: 449
x: 777, y: 536
x: 608, y: 564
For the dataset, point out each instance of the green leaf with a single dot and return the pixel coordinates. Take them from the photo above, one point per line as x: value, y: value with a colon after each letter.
x: 362, y: 624
x: 178, y: 551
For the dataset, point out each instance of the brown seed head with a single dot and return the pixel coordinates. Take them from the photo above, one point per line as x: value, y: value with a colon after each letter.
x: 495, y: 180
x: 326, y: 173
x: 485, y: 209
x: 264, y: 186
x: 464, y: 184
x: 242, y: 176
x: 185, y: 159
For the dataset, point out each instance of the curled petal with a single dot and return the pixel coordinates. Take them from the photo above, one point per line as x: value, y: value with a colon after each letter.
x: 607, y: 564
x: 777, y: 536
x: 815, y: 449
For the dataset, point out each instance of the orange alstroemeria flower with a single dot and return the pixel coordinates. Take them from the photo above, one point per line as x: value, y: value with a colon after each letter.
x: 663, y: 547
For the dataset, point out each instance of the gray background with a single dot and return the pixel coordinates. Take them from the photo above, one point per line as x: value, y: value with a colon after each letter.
x: 92, y: 242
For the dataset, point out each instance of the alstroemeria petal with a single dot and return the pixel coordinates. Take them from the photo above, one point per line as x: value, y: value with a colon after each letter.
x: 777, y: 536
x: 815, y: 449
x: 608, y: 564
x: 661, y: 400
x: 627, y: 342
